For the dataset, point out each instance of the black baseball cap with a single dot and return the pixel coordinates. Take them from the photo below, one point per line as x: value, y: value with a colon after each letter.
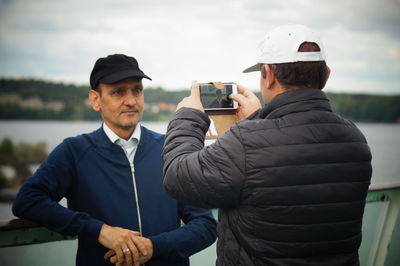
x: 114, y: 68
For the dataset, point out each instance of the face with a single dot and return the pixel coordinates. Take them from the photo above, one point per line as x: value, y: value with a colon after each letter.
x: 121, y: 104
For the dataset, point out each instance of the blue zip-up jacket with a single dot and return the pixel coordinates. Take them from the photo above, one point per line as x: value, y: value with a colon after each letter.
x: 95, y: 176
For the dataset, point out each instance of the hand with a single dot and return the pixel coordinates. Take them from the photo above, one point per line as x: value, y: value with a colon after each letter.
x: 142, y: 258
x: 248, y: 102
x: 119, y: 239
x: 192, y: 101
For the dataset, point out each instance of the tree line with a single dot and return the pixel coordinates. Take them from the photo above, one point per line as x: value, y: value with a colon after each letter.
x: 358, y: 107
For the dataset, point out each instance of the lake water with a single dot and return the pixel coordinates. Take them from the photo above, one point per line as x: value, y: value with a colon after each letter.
x: 384, y: 140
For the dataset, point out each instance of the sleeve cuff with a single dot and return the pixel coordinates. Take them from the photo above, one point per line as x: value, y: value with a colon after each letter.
x: 160, y: 245
x: 254, y: 115
x: 92, y: 228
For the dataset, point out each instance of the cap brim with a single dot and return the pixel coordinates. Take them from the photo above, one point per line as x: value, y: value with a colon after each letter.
x: 256, y: 67
x: 115, y: 77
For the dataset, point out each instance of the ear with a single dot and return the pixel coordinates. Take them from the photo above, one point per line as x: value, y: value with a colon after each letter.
x: 270, y: 75
x: 94, y: 99
x: 328, y: 73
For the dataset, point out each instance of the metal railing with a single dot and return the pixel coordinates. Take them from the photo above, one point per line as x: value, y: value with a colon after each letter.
x: 376, y: 251
x: 19, y: 232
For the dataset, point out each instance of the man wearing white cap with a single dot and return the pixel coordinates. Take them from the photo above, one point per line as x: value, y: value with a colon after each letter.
x: 290, y: 179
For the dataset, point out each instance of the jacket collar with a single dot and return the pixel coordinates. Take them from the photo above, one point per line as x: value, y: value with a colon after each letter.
x: 295, y: 101
x: 102, y: 140
x: 112, y: 150
x: 114, y: 137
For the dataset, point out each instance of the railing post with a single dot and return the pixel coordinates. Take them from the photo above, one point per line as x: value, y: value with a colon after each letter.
x: 385, y: 228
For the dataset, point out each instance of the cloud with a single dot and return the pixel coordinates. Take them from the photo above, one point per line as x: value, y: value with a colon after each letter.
x: 177, y: 41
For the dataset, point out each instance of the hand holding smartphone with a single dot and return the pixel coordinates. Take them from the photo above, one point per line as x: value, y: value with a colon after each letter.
x: 219, y: 107
x: 214, y: 98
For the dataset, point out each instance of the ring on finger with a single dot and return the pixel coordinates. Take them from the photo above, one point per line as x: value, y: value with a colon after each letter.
x: 126, y: 251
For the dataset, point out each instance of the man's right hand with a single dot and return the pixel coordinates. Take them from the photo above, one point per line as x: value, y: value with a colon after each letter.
x: 120, y: 239
x: 111, y: 256
x: 248, y: 102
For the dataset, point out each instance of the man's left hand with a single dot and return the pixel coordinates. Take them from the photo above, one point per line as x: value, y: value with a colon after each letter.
x: 192, y: 101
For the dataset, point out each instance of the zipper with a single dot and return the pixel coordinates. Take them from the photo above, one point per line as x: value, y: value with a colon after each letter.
x: 136, y: 198
x: 136, y: 194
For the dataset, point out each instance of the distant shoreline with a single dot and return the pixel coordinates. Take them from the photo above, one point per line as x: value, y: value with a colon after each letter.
x: 29, y: 99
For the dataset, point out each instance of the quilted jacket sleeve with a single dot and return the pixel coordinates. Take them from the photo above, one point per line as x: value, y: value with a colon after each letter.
x: 208, y: 177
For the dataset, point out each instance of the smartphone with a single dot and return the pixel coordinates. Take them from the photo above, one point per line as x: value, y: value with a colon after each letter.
x: 214, y: 98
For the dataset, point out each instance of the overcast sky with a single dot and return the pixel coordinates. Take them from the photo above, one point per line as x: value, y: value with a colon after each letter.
x: 208, y: 40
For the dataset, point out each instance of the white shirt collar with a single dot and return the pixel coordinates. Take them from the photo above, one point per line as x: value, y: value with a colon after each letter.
x: 114, y: 137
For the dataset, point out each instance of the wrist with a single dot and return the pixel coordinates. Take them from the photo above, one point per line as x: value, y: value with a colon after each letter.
x: 103, y: 239
x: 92, y: 228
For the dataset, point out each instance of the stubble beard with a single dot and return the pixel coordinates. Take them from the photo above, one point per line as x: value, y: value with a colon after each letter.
x: 132, y: 125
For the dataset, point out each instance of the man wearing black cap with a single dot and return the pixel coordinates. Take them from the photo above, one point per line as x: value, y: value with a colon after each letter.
x: 112, y: 179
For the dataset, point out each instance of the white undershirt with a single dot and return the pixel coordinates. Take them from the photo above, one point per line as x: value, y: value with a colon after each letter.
x: 130, y: 145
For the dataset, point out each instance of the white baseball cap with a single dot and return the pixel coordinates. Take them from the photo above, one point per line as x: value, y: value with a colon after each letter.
x: 281, y: 45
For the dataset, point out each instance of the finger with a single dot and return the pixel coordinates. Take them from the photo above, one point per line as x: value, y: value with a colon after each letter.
x: 136, y: 233
x: 240, y: 88
x: 243, y: 90
x: 134, y: 256
x: 195, y: 89
x: 127, y: 254
x: 140, y: 246
x: 114, y: 259
x: 120, y: 254
x: 239, y: 98
x: 109, y: 254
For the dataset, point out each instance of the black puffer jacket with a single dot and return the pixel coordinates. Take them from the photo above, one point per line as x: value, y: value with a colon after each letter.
x: 290, y: 182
